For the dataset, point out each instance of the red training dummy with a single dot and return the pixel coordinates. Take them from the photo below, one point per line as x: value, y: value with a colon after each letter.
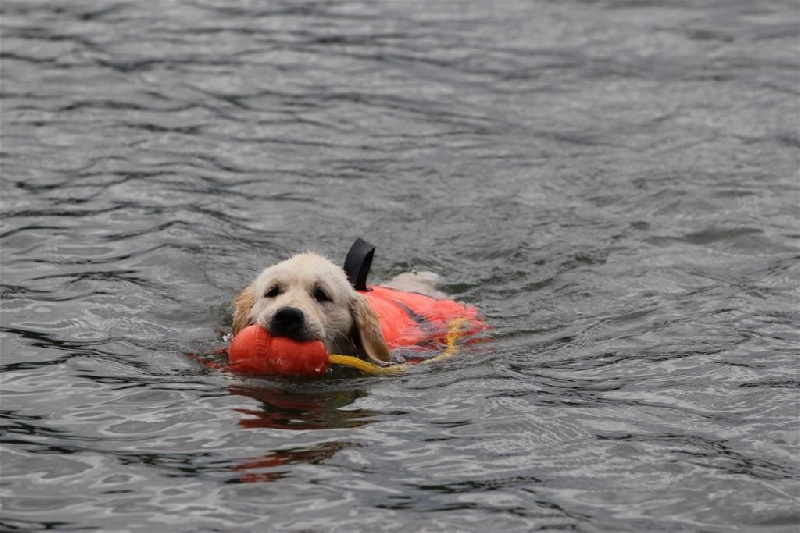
x: 255, y: 352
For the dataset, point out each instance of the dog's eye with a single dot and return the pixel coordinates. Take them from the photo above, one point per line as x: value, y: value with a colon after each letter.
x: 272, y: 292
x: 321, y: 296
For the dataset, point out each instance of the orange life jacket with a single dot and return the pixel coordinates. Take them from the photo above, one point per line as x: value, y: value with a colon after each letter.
x: 409, y: 318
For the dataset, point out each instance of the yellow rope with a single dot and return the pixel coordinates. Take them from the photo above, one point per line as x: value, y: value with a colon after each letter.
x: 366, y: 366
x: 454, y: 332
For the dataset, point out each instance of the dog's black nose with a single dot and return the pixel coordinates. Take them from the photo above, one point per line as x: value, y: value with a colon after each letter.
x: 288, y: 322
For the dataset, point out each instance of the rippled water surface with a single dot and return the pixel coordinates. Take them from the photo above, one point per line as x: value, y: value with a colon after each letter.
x: 614, y: 183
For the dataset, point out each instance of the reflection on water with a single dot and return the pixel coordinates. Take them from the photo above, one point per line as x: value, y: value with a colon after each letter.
x: 267, y: 467
x: 298, y: 409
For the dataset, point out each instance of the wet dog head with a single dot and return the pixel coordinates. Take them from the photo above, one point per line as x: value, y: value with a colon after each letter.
x: 308, y: 298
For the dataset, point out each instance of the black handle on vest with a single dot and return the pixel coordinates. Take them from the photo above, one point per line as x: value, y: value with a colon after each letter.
x: 358, y: 262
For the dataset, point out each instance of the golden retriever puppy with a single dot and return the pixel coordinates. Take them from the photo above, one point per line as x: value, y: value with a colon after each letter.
x: 306, y: 298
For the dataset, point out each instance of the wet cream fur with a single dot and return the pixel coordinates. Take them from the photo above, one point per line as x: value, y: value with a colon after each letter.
x: 346, y: 323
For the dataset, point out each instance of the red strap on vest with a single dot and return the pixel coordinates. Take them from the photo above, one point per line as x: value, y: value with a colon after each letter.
x: 409, y: 318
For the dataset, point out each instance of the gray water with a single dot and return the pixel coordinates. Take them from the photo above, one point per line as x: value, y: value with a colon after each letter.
x: 614, y: 183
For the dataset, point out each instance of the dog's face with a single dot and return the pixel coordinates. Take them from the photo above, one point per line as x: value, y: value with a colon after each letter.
x: 309, y: 298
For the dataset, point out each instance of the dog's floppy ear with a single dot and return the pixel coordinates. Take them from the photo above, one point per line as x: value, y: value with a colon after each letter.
x: 242, y: 306
x: 368, y: 330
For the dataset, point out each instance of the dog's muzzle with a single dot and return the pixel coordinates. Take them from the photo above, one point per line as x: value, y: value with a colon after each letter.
x: 288, y: 322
